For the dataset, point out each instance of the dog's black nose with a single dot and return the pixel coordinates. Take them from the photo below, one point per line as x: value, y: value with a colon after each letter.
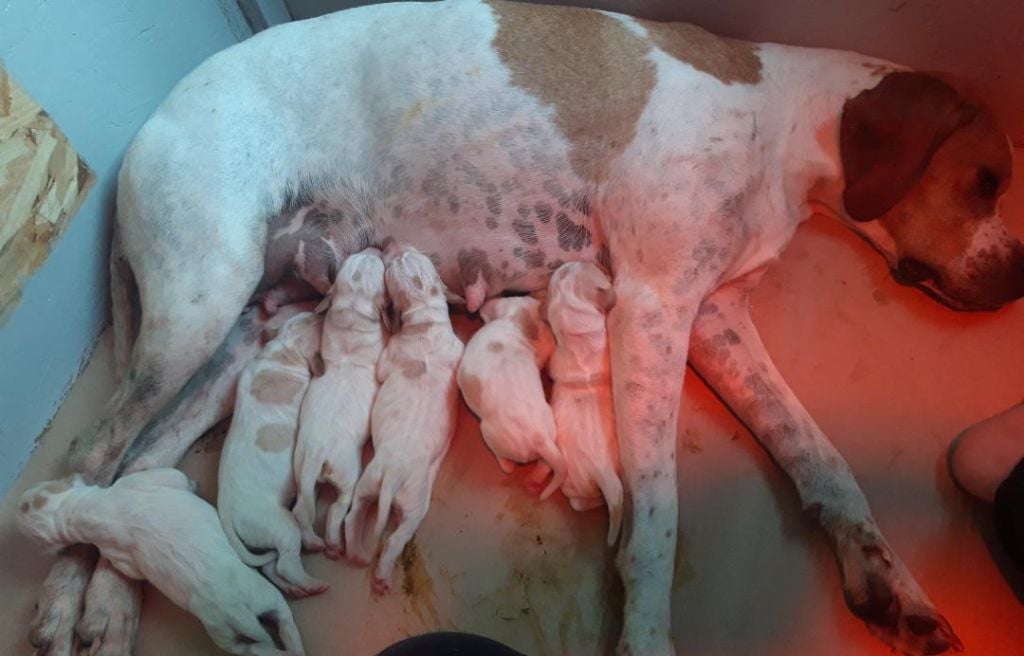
x: 910, y: 271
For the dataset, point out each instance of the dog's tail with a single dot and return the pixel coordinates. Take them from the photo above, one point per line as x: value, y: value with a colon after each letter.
x: 124, y: 306
x: 248, y: 557
x: 552, y: 455
x: 611, y: 488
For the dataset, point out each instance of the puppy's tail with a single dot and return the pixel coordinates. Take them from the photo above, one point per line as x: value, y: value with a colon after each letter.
x: 611, y: 488
x: 249, y: 558
x: 552, y: 455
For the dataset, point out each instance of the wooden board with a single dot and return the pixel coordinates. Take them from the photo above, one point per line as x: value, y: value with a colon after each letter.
x: 43, y: 182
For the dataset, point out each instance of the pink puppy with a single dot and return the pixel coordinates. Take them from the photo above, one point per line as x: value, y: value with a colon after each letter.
x: 256, y: 488
x: 335, y: 420
x: 413, y: 418
x: 500, y: 378
x: 150, y: 525
x: 579, y: 297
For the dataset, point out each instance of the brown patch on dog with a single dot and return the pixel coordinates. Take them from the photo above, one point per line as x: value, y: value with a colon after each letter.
x: 495, y: 347
x: 23, y: 508
x: 357, y: 276
x: 414, y: 368
x: 417, y: 282
x: 56, y: 487
x: 38, y: 501
x: 471, y: 387
x: 585, y: 64
x: 435, y: 291
x: 275, y: 387
x: 274, y: 438
x: 727, y: 60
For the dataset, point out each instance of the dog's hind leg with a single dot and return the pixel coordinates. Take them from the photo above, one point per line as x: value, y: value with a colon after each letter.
x: 727, y: 352
x: 209, y: 396
x: 189, y: 302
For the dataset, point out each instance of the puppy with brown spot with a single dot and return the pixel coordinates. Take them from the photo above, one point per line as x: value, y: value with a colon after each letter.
x: 256, y: 487
x: 579, y: 298
x: 334, y: 423
x: 151, y: 526
x: 500, y: 378
x: 413, y: 417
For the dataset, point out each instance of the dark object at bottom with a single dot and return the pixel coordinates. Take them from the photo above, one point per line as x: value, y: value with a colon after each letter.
x: 1009, y: 514
x: 446, y: 643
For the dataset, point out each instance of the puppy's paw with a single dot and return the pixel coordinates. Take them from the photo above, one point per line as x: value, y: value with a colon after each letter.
x: 881, y: 591
x: 52, y: 631
x: 381, y: 586
x: 111, y: 617
x: 312, y: 543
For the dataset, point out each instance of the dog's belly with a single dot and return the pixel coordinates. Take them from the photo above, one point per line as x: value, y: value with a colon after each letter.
x: 510, y: 227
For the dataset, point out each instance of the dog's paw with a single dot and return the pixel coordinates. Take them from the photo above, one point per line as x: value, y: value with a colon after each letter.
x: 111, y: 616
x: 881, y: 591
x: 52, y: 631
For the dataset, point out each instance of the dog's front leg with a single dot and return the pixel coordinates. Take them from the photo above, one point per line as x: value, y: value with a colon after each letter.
x: 727, y: 352
x: 649, y: 332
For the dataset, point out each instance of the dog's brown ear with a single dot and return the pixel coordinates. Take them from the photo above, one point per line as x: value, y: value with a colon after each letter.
x: 887, y: 136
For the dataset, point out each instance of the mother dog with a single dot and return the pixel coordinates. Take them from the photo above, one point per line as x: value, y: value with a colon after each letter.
x: 504, y: 139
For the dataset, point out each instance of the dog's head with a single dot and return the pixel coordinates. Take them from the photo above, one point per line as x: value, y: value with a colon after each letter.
x: 38, y: 516
x: 923, y: 172
x: 412, y: 280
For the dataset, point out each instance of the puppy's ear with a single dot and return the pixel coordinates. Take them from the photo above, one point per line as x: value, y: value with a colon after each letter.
x: 325, y: 302
x: 316, y: 365
x: 391, y: 319
x: 605, y: 295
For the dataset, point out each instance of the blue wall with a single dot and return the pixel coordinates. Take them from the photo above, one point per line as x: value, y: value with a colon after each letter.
x: 99, y: 68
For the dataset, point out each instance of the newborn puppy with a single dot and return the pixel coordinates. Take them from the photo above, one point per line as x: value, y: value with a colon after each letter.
x: 150, y: 525
x: 413, y: 418
x: 335, y: 420
x: 501, y: 381
x: 256, y: 487
x: 579, y: 297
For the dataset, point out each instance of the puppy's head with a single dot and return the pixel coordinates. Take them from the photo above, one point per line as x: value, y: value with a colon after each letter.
x: 578, y: 292
x: 38, y: 509
x: 923, y: 173
x: 359, y: 286
x: 301, y: 334
x: 412, y: 280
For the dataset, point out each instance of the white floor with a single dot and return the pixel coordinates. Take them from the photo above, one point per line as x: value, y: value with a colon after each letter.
x: 890, y: 376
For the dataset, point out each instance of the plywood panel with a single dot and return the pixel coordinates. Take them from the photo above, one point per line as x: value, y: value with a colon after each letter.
x: 43, y: 181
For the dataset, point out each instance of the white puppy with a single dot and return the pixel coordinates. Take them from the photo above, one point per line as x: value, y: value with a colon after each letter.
x: 150, y: 525
x: 413, y: 418
x: 256, y: 488
x: 335, y: 420
x: 579, y: 297
x: 500, y: 378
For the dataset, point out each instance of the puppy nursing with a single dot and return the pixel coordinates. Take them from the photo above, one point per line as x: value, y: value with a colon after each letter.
x: 150, y: 525
x: 256, y: 487
x: 413, y: 417
x: 579, y: 297
x: 335, y: 420
x: 501, y: 381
